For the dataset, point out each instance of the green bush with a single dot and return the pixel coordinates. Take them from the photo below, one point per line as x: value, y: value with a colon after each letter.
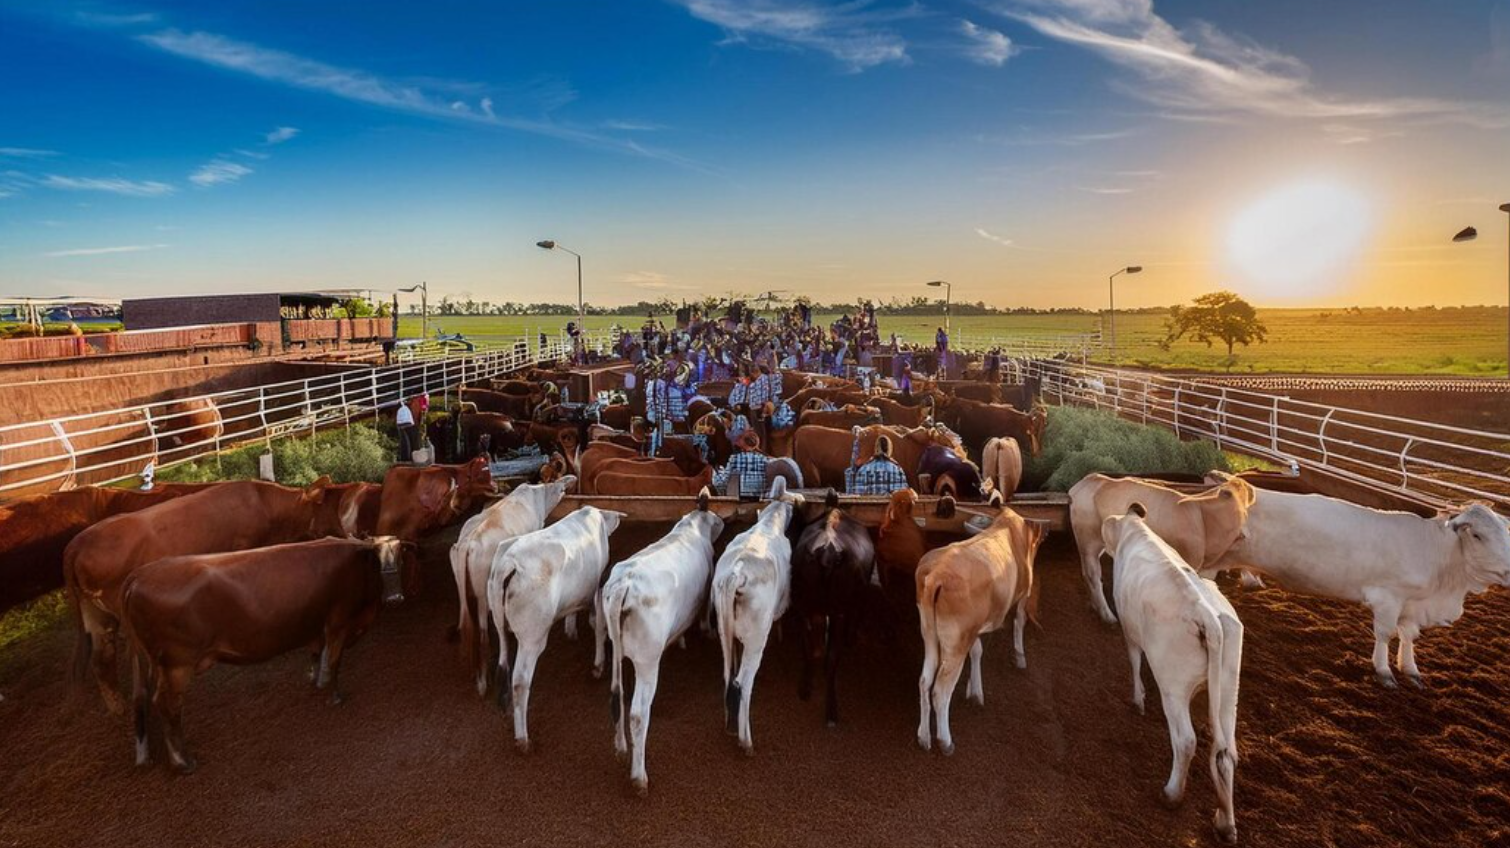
x: 1084, y: 441
x: 359, y: 453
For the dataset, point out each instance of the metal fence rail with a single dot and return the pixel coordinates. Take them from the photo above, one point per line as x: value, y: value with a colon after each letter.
x: 101, y: 447
x: 1435, y: 463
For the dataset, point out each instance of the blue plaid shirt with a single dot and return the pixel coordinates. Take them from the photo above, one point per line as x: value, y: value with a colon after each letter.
x: 783, y: 417
x: 738, y: 394
x: 676, y: 401
x: 740, y: 425
x: 760, y: 392
x: 749, y: 468
x: 879, y: 476
x: 657, y: 400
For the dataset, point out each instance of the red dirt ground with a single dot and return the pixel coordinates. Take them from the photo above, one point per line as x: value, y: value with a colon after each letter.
x: 1055, y: 758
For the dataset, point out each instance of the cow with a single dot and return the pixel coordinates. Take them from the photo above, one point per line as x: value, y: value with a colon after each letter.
x: 501, y: 431
x: 1412, y: 572
x: 833, y: 563
x: 823, y: 453
x: 184, y: 614
x: 612, y: 483
x: 418, y: 500
x: 685, y: 453
x: 898, y: 414
x: 963, y: 591
x: 1001, y: 463
x: 1193, y: 641
x: 949, y: 473
x: 978, y: 423
x: 518, y: 407
x: 900, y: 545
x: 357, y: 508
x: 648, y: 602
x: 539, y: 579
x: 524, y: 510
x: 226, y: 517
x: 35, y: 530
x: 752, y: 587
x: 1200, y: 527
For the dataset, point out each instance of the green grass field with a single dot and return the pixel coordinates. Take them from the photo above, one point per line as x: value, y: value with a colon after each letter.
x: 1467, y: 341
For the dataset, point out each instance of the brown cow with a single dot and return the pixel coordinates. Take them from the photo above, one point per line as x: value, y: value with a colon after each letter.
x: 183, y: 614
x: 518, y: 407
x: 35, y: 530
x: 418, y: 500
x: 1201, y: 528
x: 900, y: 544
x: 964, y: 590
x: 898, y: 414
x: 715, y: 426
x: 823, y: 453
x: 230, y: 516
x: 618, y: 416
x: 684, y: 453
x: 594, y: 456
x: 516, y: 387
x: 357, y: 507
x: 978, y: 423
x: 612, y: 483
x: 639, y: 466
x: 841, y: 419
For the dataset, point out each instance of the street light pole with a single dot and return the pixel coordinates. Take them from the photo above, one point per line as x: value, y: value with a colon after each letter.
x: 550, y: 244
x: 1111, y: 312
x: 1469, y: 234
x: 948, y: 292
x: 424, y: 307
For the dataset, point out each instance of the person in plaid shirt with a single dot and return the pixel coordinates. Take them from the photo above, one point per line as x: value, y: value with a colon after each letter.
x: 880, y: 476
x: 657, y: 405
x: 679, y: 394
x: 760, y: 390
x: 746, y: 465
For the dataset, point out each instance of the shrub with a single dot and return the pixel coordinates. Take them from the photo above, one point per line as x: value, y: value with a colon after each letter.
x: 1084, y: 441
x: 359, y: 453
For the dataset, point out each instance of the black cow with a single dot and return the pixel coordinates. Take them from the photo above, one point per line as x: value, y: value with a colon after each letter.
x: 832, y: 565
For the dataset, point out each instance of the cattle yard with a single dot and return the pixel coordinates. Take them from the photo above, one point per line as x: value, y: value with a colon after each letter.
x: 1056, y: 755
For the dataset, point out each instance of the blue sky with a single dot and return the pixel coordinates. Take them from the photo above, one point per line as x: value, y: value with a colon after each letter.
x: 1297, y: 152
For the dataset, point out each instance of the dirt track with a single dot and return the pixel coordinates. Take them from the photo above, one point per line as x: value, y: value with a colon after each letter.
x: 1055, y: 757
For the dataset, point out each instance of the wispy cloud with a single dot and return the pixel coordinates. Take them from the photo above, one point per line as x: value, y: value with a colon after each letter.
x: 1032, y: 137
x: 218, y: 172
x: 99, y: 251
x: 115, y: 19
x: 280, y: 135
x: 632, y: 126
x: 653, y: 280
x: 423, y: 97
x: 1105, y: 189
x: 1004, y: 242
x: 26, y: 153
x: 1201, y: 70
x: 987, y: 46
x: 111, y: 185
x: 854, y: 33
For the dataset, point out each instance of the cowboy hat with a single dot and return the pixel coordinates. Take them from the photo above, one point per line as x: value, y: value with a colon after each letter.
x: 747, y: 440
x: 883, y: 446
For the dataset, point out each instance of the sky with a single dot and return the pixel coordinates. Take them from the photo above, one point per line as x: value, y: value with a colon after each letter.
x: 1298, y: 153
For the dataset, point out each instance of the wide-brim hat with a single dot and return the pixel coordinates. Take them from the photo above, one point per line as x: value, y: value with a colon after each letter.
x: 747, y: 440
x: 883, y: 446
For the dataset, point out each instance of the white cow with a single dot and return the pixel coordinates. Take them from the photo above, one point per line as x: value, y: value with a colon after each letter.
x: 1413, y: 572
x: 649, y: 601
x: 1193, y: 641
x: 523, y: 511
x: 536, y: 580
x: 752, y: 586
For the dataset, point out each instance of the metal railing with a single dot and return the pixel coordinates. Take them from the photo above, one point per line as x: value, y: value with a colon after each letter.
x: 1434, y: 463
x: 1077, y: 346
x: 102, y: 447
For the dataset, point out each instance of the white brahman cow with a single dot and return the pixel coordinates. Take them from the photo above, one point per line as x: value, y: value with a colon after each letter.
x: 1413, y: 572
x: 538, y: 579
x: 523, y: 511
x: 752, y: 587
x: 649, y: 601
x: 1193, y: 640
x: 1200, y: 527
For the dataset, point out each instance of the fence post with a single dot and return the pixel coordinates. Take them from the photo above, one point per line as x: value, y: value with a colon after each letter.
x: 1177, y: 433
x: 1404, y: 472
x: 1274, y: 426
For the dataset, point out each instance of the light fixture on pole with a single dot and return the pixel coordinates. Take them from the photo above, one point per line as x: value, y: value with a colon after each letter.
x: 1111, y: 312
x: 948, y: 290
x: 550, y: 244
x: 424, y: 306
x: 1469, y: 234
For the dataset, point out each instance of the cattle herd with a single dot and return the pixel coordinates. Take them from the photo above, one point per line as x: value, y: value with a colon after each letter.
x: 242, y: 572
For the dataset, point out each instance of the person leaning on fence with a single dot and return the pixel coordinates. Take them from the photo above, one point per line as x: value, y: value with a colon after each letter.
x: 880, y: 476
x: 657, y: 405
x: 747, y: 465
x: 404, y: 419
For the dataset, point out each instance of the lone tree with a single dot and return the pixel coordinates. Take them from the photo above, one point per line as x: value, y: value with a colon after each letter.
x: 1219, y: 316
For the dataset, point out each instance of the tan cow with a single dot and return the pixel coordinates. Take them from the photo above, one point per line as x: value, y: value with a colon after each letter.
x: 964, y: 590
x: 1199, y: 527
x: 1001, y: 463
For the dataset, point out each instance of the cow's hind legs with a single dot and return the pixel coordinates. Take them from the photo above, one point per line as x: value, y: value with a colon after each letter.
x: 1182, y: 742
x: 1135, y: 659
x: 951, y: 665
x: 646, y: 676
x: 975, y: 690
x: 105, y: 671
x: 524, y: 675
x: 141, y: 705
x: 1386, y: 622
x: 330, y: 666
x: 1405, y: 659
x: 169, y: 699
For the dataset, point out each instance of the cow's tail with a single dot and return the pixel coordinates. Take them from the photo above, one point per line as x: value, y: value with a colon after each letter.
x: 726, y: 597
x: 1222, y: 636
x: 928, y: 623
x: 84, y: 646
x: 1034, y: 590
x: 498, y: 591
x: 615, y: 607
x: 141, y: 676
x: 463, y: 628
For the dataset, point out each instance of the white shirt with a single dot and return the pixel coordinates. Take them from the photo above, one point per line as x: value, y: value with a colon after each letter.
x: 405, y: 416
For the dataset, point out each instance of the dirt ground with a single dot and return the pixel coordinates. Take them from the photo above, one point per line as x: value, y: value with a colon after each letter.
x: 1055, y: 757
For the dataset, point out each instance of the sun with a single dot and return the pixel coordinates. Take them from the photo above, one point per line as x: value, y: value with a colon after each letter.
x: 1299, y: 240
